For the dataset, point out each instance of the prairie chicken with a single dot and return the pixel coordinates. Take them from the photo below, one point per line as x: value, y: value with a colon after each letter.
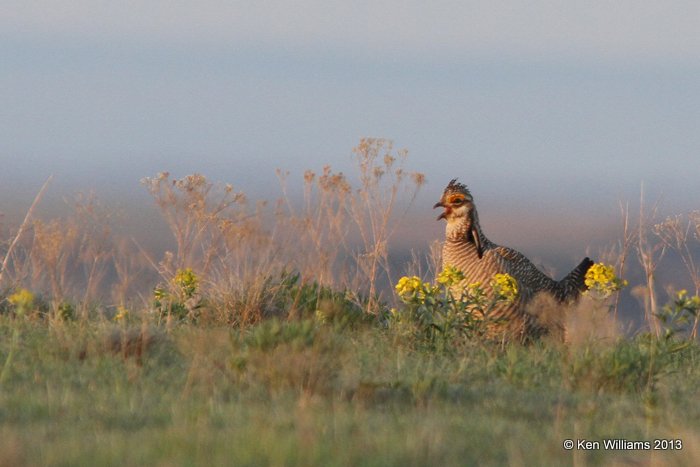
x: 467, y: 249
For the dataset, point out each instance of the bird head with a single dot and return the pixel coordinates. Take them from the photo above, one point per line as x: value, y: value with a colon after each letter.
x: 457, y: 202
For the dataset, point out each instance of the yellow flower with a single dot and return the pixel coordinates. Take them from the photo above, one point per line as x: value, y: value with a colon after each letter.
x: 505, y: 287
x: 691, y: 303
x: 408, y: 285
x: 23, y: 300
x: 450, y: 276
x: 122, y: 314
x: 187, y: 281
x: 602, y: 281
x: 413, y: 288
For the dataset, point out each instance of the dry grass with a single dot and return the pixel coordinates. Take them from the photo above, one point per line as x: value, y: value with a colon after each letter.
x: 337, y: 235
x: 681, y: 234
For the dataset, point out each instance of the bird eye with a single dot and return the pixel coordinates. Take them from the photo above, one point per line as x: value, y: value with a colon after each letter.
x: 457, y: 200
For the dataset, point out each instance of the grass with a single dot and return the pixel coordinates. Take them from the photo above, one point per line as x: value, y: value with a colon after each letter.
x: 305, y: 393
x: 269, y: 335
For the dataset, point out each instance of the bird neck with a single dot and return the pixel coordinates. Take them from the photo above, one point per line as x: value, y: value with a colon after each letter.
x: 457, y: 231
x: 460, y: 230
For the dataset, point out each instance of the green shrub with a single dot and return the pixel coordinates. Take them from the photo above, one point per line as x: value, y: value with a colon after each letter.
x: 273, y: 332
x: 434, y: 314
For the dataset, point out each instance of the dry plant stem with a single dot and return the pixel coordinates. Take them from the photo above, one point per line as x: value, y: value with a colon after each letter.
x: 372, y: 208
x: 333, y: 215
x: 199, y: 224
x: 649, y: 256
x: 22, y: 227
x: 695, y: 220
x: 627, y: 237
x: 150, y: 260
x: 676, y: 235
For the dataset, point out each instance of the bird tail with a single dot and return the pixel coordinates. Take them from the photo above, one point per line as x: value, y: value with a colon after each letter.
x: 571, y: 286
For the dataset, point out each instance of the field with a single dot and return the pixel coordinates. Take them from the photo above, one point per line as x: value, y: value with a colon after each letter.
x: 301, y: 393
x: 272, y: 335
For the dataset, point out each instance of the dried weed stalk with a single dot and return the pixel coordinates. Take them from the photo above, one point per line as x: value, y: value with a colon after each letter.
x: 650, y: 254
x: 680, y: 233
x: 382, y: 178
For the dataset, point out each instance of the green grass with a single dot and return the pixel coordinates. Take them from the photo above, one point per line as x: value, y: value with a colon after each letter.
x: 302, y: 393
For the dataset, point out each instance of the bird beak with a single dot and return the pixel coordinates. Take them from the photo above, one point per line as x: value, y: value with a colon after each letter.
x: 440, y: 205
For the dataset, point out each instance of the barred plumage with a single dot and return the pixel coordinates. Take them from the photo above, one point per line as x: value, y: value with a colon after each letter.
x: 467, y: 248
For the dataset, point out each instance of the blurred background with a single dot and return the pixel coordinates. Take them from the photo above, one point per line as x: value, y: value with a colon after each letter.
x: 554, y: 114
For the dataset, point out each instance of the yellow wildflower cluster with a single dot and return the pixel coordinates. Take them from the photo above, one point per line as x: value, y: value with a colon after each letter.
x: 450, y: 276
x: 186, y: 281
x: 505, y: 287
x: 23, y: 300
x: 408, y: 285
x: 410, y: 288
x: 602, y: 281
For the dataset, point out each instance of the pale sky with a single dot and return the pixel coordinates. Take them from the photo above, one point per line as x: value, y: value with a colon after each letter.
x: 623, y: 29
x: 540, y: 107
